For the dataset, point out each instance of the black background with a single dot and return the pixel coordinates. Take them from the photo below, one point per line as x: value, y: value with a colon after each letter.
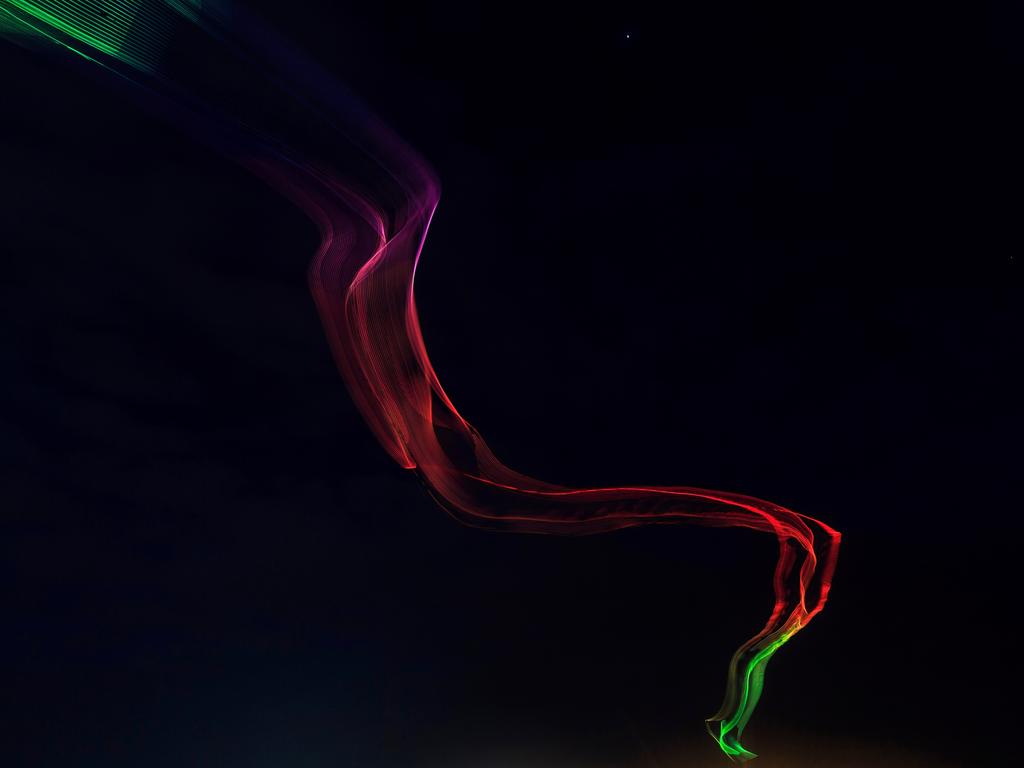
x: 771, y: 251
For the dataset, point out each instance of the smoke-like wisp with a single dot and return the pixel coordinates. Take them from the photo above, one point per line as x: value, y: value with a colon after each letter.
x: 373, y: 198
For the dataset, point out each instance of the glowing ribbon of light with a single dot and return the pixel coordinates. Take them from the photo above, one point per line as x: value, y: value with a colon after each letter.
x: 373, y: 220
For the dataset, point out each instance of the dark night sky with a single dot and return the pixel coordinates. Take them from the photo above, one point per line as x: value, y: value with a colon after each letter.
x: 770, y: 252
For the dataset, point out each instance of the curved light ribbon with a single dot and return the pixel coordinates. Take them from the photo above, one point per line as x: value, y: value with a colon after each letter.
x: 372, y: 199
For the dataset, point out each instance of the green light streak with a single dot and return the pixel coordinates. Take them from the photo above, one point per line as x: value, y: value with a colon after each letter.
x: 730, y: 728
x: 132, y: 31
